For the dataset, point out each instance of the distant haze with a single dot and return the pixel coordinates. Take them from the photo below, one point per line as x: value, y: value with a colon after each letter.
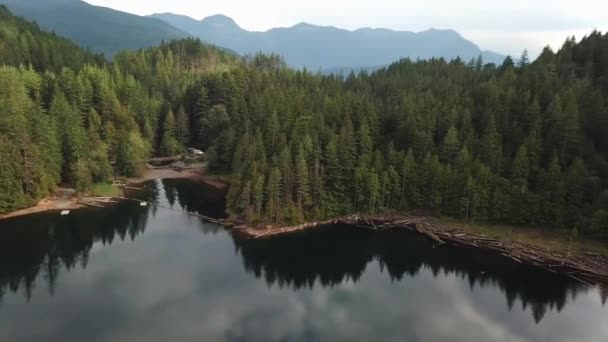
x: 505, y: 27
x: 331, y: 49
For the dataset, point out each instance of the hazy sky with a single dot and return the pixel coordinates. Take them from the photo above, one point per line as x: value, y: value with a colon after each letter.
x: 506, y: 26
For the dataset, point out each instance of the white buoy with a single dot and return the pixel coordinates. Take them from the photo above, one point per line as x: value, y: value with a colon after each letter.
x: 65, y: 213
x: 143, y: 204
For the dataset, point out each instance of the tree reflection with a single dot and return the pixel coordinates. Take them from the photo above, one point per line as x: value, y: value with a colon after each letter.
x: 40, y: 247
x: 330, y: 256
x: 198, y: 198
x: 44, y: 244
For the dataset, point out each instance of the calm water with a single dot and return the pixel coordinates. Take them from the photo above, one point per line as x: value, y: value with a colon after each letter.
x: 134, y: 273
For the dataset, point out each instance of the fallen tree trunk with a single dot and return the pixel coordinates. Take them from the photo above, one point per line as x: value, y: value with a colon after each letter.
x: 589, y: 268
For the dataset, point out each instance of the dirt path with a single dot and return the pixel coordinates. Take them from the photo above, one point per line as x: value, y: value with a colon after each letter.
x: 63, y: 200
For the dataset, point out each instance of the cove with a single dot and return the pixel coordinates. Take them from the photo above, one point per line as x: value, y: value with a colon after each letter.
x: 132, y: 273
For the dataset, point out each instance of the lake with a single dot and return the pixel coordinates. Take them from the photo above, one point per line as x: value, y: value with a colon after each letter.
x: 132, y: 273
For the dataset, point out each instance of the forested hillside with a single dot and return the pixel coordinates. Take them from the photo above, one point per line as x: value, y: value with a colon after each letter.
x: 101, y: 29
x: 69, y: 116
x: 24, y: 43
x: 523, y: 144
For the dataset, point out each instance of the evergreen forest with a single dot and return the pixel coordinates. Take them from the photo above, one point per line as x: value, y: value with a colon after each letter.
x: 522, y: 142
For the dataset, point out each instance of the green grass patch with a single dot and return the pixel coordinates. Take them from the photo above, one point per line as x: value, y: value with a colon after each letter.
x: 105, y: 190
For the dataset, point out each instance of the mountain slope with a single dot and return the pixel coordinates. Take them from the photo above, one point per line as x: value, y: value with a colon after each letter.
x: 23, y: 42
x: 98, y: 28
x: 305, y: 45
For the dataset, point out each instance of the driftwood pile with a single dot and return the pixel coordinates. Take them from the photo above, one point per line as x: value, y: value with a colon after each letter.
x: 98, y: 202
x: 588, y: 268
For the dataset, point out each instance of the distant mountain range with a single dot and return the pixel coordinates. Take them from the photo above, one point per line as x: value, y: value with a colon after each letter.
x: 101, y: 29
x: 327, y: 47
x: 304, y: 45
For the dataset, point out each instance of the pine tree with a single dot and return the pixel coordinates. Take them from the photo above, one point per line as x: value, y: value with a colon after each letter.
x: 258, y: 195
x: 431, y: 182
x: 373, y: 191
x: 201, y: 110
x: 450, y: 146
x: 182, y: 127
x: 273, y: 204
x: 521, y: 170
x: 568, y: 127
x: 409, y: 181
x: 73, y: 142
x: 490, y: 146
x: 366, y: 145
x: 552, y: 195
x: 524, y: 60
x: 287, y: 173
x: 303, y: 198
x: 577, y: 191
x: 12, y: 195
x: 169, y: 144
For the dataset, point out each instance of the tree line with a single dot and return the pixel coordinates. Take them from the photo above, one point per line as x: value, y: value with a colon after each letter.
x: 68, y: 116
x: 522, y: 142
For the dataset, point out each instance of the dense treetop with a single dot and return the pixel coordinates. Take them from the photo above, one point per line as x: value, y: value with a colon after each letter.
x: 524, y: 143
x: 73, y: 117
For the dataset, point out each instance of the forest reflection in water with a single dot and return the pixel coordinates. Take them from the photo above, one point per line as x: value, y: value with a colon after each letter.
x: 40, y: 249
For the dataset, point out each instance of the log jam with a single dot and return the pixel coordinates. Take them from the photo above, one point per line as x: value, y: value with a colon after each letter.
x: 588, y: 268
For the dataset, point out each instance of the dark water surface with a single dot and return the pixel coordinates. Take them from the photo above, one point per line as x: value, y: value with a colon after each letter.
x: 134, y: 273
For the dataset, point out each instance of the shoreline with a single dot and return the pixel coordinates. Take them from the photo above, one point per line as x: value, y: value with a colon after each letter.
x: 194, y: 174
x: 586, y: 267
x: 48, y: 204
x: 55, y: 203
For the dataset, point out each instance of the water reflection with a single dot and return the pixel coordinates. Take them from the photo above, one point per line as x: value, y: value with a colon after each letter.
x: 333, y: 255
x: 43, y: 244
x: 194, y: 197
x: 46, y: 243
x: 129, y: 265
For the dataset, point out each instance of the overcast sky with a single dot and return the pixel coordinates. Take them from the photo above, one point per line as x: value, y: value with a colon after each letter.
x: 506, y: 26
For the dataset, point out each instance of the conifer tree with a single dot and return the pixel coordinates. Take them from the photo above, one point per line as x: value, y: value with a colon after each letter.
x: 552, y: 194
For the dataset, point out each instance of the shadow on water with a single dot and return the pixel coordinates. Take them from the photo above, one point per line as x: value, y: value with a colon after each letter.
x: 48, y: 244
x: 332, y: 255
x: 45, y: 243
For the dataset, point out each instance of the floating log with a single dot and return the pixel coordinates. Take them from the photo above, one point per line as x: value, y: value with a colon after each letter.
x: 89, y: 204
x: 588, y: 268
x: 98, y: 202
x: 144, y: 204
x: 131, y: 188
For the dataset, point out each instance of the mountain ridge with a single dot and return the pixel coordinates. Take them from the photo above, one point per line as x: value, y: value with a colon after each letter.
x: 330, y: 47
x: 98, y: 28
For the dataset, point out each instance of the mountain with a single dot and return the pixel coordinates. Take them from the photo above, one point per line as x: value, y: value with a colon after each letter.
x: 328, y: 47
x: 101, y: 29
x: 23, y: 42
